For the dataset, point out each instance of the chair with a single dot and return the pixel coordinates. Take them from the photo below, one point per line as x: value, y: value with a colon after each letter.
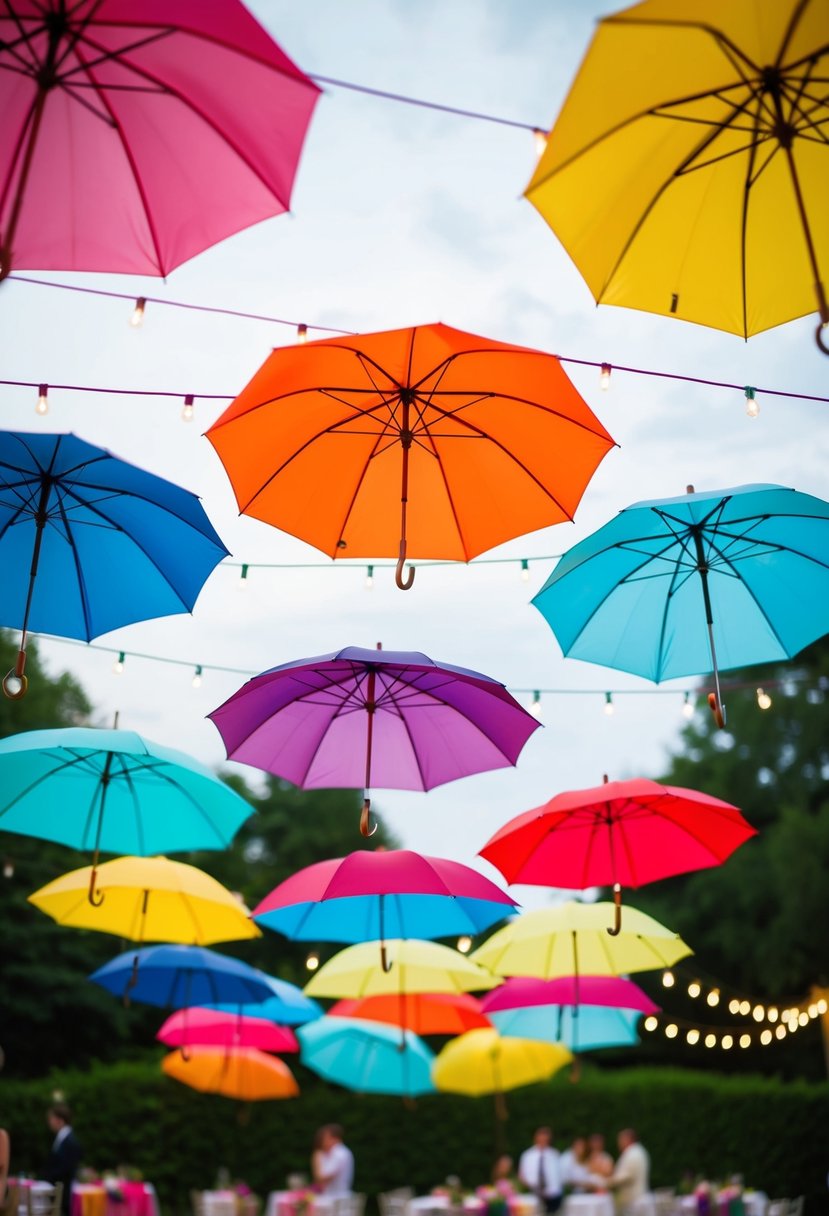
x: 645, y: 1205
x: 778, y: 1207
x: 349, y: 1205
x: 796, y: 1206
x: 664, y: 1199
x: 395, y: 1203
x: 43, y: 1200
x: 197, y: 1202
x: 13, y: 1199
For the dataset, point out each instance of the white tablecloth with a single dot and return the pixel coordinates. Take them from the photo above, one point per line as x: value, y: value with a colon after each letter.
x: 755, y: 1203
x: 598, y: 1204
x: 520, y: 1205
x: 322, y: 1205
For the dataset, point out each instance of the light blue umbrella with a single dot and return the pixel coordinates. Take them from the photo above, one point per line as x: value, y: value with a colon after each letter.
x: 594, y: 1026
x: 708, y: 581
x: 285, y: 1004
x: 115, y: 792
x: 369, y: 1057
x: 181, y: 976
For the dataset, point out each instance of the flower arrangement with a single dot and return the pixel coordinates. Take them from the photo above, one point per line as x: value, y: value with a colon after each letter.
x: 495, y: 1198
x: 303, y: 1201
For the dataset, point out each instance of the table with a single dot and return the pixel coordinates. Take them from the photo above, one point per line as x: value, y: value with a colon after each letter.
x: 754, y: 1204
x: 35, y: 1196
x: 122, y: 1198
x: 597, y: 1203
x: 519, y: 1205
x: 285, y: 1203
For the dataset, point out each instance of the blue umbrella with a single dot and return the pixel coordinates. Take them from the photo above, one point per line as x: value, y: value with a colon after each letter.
x: 285, y: 1004
x: 709, y: 581
x: 369, y: 1057
x: 115, y: 791
x: 89, y: 543
x: 593, y: 1026
x: 181, y: 976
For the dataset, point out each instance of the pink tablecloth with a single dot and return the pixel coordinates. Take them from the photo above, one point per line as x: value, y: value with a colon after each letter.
x: 129, y: 1199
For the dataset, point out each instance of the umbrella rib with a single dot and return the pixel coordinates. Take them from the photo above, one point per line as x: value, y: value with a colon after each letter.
x: 794, y: 21
x: 136, y: 806
x: 25, y: 39
x: 665, y: 607
x: 158, y: 772
x: 25, y: 130
x: 415, y: 753
x: 106, y: 56
x: 744, y: 217
x: 70, y: 540
x: 444, y: 478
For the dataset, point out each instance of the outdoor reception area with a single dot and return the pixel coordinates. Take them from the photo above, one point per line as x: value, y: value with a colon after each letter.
x: 414, y: 608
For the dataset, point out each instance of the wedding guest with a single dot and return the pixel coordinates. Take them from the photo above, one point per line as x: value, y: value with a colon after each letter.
x: 630, y: 1179
x: 599, y: 1162
x: 573, y: 1166
x: 337, y: 1162
x: 538, y: 1170
x: 317, y: 1155
x: 5, y: 1155
x: 504, y: 1169
x: 65, y: 1154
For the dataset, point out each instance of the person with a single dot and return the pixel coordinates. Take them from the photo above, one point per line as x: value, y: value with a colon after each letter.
x: 538, y: 1170
x: 573, y: 1166
x: 5, y: 1155
x: 599, y: 1163
x: 65, y: 1154
x: 336, y: 1162
x: 630, y: 1179
x: 317, y: 1155
x: 503, y: 1169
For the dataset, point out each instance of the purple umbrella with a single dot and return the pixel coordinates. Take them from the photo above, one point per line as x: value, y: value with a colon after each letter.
x: 365, y: 718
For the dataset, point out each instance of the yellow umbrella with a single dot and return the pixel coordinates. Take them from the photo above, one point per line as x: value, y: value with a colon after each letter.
x: 572, y: 939
x: 416, y: 966
x: 240, y: 1072
x: 149, y: 899
x: 482, y: 1062
x: 688, y: 171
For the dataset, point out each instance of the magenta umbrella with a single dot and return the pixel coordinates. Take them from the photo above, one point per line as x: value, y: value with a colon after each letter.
x: 613, y: 991
x: 137, y: 133
x: 214, y: 1028
x: 356, y: 719
x: 391, y: 893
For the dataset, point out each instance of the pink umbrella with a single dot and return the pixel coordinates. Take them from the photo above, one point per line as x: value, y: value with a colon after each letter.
x: 137, y: 134
x: 613, y: 991
x: 213, y: 1028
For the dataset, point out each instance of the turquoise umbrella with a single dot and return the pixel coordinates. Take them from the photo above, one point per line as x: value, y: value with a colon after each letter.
x: 286, y: 1005
x: 369, y: 1057
x: 113, y: 791
x: 594, y: 1026
x: 709, y: 581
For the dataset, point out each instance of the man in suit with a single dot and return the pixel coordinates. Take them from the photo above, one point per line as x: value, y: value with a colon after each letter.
x: 539, y: 1170
x: 65, y: 1154
x: 630, y: 1179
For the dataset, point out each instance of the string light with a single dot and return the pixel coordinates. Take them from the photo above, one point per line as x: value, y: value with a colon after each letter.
x: 525, y: 570
x: 8, y: 868
x: 694, y: 988
x: 651, y: 1023
x: 803, y: 1018
x: 780, y: 1031
x: 671, y: 1030
x: 668, y: 980
x: 540, y: 140
x: 369, y: 577
x: 758, y: 1013
x: 734, y: 1006
x: 609, y: 707
x: 42, y: 406
x: 187, y: 409
x: 745, y: 1008
x: 137, y: 318
x: 727, y: 1042
x: 464, y: 944
x: 243, y: 579
x: 822, y: 1006
x: 745, y: 1040
x: 118, y: 665
x: 302, y: 334
x: 772, y: 1014
x: 713, y: 997
x: 752, y: 404
x: 766, y: 1037
x: 688, y: 706
x: 692, y: 1037
x: 535, y: 708
x: 312, y: 961
x: 197, y: 677
x: 710, y: 1040
x: 763, y: 699
x: 604, y: 377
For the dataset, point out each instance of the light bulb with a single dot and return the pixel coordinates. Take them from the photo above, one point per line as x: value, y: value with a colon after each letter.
x: 710, y: 1040
x: 464, y: 944
x: 821, y: 1007
x: 369, y: 577
x: 713, y: 997
x: 734, y: 1006
x: 609, y: 707
x: 312, y: 961
x: 692, y: 1036
x: 758, y: 1013
x: 694, y: 988
x: 42, y: 406
x: 525, y: 570
x: 688, y: 706
x: 671, y: 1030
x: 727, y: 1042
x: 187, y: 409
x: 197, y: 677
x: 745, y: 1008
x: 780, y: 1032
x: 604, y: 377
x: 803, y: 1018
x: 766, y: 1037
x: 302, y: 334
x: 540, y: 140
x: 137, y: 318
x: 745, y: 1040
x: 651, y: 1023
x: 243, y: 579
x: 535, y: 708
x: 772, y: 1014
x: 752, y: 404
x: 118, y: 665
x: 668, y: 980
x: 763, y: 699
x: 8, y: 868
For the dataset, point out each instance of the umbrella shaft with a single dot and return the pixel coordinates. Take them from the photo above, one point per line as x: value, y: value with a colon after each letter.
x: 40, y: 524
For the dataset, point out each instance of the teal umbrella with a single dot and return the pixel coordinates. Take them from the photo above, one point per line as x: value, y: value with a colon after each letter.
x: 113, y: 791
x: 369, y: 1057
x: 593, y: 1026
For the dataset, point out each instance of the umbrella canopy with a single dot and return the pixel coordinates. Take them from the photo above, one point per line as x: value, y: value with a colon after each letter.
x: 622, y: 833
x: 571, y: 939
x: 686, y: 174
x: 368, y: 1057
x: 415, y: 967
x: 475, y: 441
x: 482, y: 1062
x: 608, y: 991
x: 389, y: 893
x: 585, y: 1028
x: 286, y: 1005
x: 139, y: 132
x: 680, y: 586
x: 114, y: 791
x: 148, y: 899
x: 88, y: 542
x: 213, y: 1028
x: 179, y: 976
x: 362, y: 718
x: 421, y: 1012
x: 242, y: 1072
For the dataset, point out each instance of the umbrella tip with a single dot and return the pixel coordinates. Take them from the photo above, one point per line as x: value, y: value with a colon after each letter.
x: 690, y: 490
x: 379, y: 646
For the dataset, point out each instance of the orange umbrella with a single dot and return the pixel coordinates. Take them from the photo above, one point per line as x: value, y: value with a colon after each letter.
x: 240, y: 1072
x: 420, y: 1012
x: 478, y: 441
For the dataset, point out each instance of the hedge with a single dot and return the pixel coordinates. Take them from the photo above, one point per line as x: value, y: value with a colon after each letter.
x: 773, y: 1133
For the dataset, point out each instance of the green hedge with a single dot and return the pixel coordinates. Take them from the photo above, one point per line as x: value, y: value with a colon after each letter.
x: 775, y: 1134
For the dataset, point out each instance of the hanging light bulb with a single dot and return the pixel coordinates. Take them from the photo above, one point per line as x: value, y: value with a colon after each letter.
x: 668, y: 980
x: 803, y: 1018
x: 42, y: 406
x: 758, y: 1013
x: 525, y: 570
x: 752, y: 404
x: 187, y: 409
x: 8, y: 867
x: 540, y: 140
x: 464, y: 944
x: 772, y: 1014
x: 302, y: 334
x: 243, y: 578
x: 745, y: 1040
x: 821, y: 1007
x: 651, y: 1023
x: 780, y: 1031
x: 197, y: 677
x: 137, y: 318
x: 727, y: 1042
x: 671, y: 1030
x: 710, y: 1040
x: 766, y: 1037
x: 609, y: 707
x: 694, y: 988
x: 118, y: 665
x: 312, y: 961
x: 713, y: 997
x: 369, y: 577
x: 692, y: 1037
x: 734, y: 1006
x: 535, y: 708
x: 763, y: 699
x: 688, y: 706
x: 745, y: 1008
x: 604, y: 377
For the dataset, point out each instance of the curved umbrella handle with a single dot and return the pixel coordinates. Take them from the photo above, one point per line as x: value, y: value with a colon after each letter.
x: 365, y: 819
x: 616, y: 928
x: 403, y: 583
x: 15, y: 683
x: 96, y: 898
x: 714, y: 705
x: 184, y: 1051
x: 819, y: 337
x: 385, y: 962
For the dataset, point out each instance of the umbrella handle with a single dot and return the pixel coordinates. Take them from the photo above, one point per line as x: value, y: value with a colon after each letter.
x: 616, y: 928
x: 575, y: 1070
x: 501, y: 1112
x: 365, y: 819
x: 95, y: 898
x: 385, y: 962
x: 15, y: 683
x: 714, y: 705
x: 184, y: 1051
x: 819, y: 337
x: 403, y: 583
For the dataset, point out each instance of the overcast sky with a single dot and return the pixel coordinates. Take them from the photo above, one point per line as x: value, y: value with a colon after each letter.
x: 404, y: 216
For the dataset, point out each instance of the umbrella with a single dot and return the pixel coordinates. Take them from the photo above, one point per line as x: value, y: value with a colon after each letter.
x: 686, y: 174
x: 570, y: 939
x: 421, y: 1012
x: 620, y: 833
x: 148, y: 899
x: 285, y: 1004
x: 607, y: 991
x: 115, y: 791
x: 139, y: 132
x: 477, y: 441
x: 416, y: 967
x: 179, y: 976
x: 89, y: 543
x: 368, y: 1057
x: 395, y: 893
x: 187, y: 1028
x: 482, y: 1062
x: 679, y: 586
x: 360, y: 718
x: 243, y: 1073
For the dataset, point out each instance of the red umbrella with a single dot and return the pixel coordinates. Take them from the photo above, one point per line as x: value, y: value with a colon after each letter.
x: 420, y: 1012
x: 137, y: 133
x: 622, y: 833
